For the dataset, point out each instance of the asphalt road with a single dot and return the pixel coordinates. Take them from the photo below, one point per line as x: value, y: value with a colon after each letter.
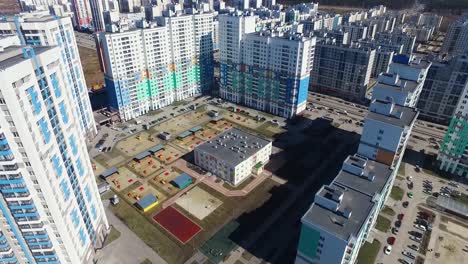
x: 422, y: 128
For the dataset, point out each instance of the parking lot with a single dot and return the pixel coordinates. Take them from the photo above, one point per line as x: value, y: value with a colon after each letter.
x: 418, y: 224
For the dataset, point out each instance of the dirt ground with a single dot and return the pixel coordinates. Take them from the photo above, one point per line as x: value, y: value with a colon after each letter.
x: 91, y: 69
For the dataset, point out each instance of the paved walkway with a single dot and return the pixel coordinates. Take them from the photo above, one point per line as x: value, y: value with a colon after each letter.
x: 128, y: 248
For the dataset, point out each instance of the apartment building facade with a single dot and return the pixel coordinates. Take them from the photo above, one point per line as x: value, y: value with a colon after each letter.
x: 51, y: 211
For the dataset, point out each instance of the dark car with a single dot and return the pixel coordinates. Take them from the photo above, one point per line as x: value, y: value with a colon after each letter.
x: 405, y: 204
x: 398, y: 223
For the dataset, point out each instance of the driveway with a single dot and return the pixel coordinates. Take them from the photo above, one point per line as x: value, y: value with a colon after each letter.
x: 128, y: 248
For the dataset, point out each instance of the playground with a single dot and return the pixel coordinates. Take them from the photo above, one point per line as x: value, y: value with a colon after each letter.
x: 138, y: 143
x: 162, y: 181
x: 168, y: 155
x: 198, y: 203
x: 123, y: 179
x: 206, y: 133
x: 146, y: 166
x: 220, y: 125
x: 189, y: 142
x: 140, y: 190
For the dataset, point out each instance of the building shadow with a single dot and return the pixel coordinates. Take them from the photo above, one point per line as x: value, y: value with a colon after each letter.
x: 308, y: 145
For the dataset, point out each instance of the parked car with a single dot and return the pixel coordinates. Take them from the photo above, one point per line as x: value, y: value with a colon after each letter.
x: 405, y: 204
x: 401, y: 216
x: 414, y: 247
x: 408, y: 254
x: 388, y: 250
x: 398, y: 223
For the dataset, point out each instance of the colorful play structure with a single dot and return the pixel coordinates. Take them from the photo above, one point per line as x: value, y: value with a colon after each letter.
x: 182, y: 181
x: 147, y: 203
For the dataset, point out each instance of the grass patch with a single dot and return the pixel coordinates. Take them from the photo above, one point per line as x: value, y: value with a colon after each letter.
x: 383, y: 224
x: 201, y: 109
x: 149, y: 233
x: 155, y: 112
x: 91, y: 68
x: 462, y: 199
x: 368, y: 252
x: 401, y: 169
x: 389, y: 211
x: 113, y: 235
x: 240, y: 186
x: 400, y: 178
x: 397, y: 193
x: 146, y: 261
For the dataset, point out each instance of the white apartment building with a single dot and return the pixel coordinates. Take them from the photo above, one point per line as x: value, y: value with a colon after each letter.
x: 403, y: 82
x: 408, y: 41
x: 81, y: 13
x: 46, y: 30
x: 51, y: 211
x: 431, y: 20
x: 149, y: 68
x: 386, y: 130
x: 268, y: 71
x: 344, y: 212
x: 233, y: 155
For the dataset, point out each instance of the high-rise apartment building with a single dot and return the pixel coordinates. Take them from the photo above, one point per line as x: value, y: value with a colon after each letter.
x: 342, y: 70
x: 431, y: 20
x: 453, y: 155
x: 386, y: 131
x: 45, y: 30
x: 344, y: 212
x: 51, y: 211
x: 408, y: 41
x: 268, y: 71
x: 445, y: 83
x: 403, y: 82
x: 98, y: 7
x: 456, y: 37
x: 81, y: 13
x: 149, y: 68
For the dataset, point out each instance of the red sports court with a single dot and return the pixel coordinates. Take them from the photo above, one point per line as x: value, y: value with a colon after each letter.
x: 177, y: 224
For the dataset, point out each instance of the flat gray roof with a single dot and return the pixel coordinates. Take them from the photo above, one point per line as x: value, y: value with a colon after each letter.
x: 358, y: 193
x: 408, y: 116
x: 451, y: 205
x: 233, y: 146
x: 409, y: 87
x: 14, y: 54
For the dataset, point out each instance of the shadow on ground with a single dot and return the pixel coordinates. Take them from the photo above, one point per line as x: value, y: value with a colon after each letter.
x: 308, y: 145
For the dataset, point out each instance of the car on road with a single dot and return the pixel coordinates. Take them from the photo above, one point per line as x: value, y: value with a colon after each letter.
x: 454, y: 184
x: 417, y: 168
x: 388, y: 250
x: 420, y: 227
x: 416, y: 239
x: 405, y: 204
x: 410, y: 185
x: 395, y: 230
x: 410, y: 195
x: 409, y: 178
x: 391, y: 240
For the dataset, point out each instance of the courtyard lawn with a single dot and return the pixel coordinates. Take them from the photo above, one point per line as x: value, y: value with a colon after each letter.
x: 397, y: 193
x: 389, y: 211
x: 383, y: 224
x: 368, y: 252
x: 113, y: 235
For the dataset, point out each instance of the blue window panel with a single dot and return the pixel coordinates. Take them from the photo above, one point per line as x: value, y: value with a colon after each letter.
x: 36, y: 236
x: 42, y: 243
x: 65, y: 189
x: 15, y: 190
x: 18, y: 207
x: 34, y: 100
x: 77, y: 72
x: 73, y: 145
x: 57, y: 166
x: 93, y: 211
x: 81, y: 86
x: 58, y: 39
x: 26, y: 215
x: 79, y: 165
x: 6, y: 152
x: 63, y: 111
x: 6, y: 260
x: 82, y: 236
x: 2, y: 246
x: 75, y: 218
x: 67, y: 33
x: 15, y: 181
x: 72, y: 53
x: 57, y: 91
x: 45, y: 130
x: 89, y: 197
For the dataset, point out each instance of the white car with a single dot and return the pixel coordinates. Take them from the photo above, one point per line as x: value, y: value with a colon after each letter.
x: 388, y: 250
